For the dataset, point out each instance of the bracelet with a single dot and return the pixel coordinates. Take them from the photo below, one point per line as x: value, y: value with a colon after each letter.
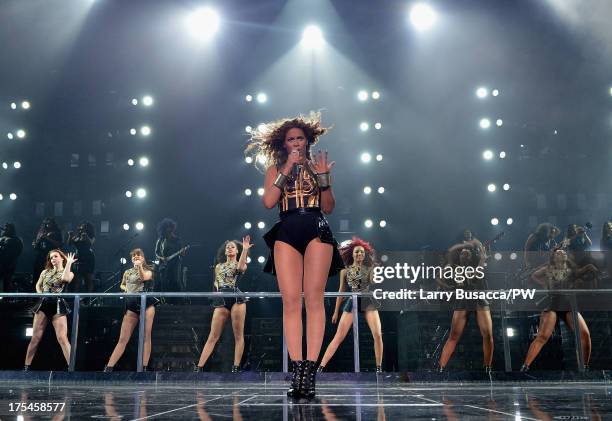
x: 324, y: 180
x: 281, y: 180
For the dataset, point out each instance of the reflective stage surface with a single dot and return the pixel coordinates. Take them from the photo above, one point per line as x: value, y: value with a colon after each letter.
x: 339, y: 400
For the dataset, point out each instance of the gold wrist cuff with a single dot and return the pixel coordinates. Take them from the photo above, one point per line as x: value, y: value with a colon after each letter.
x: 281, y: 180
x: 324, y: 180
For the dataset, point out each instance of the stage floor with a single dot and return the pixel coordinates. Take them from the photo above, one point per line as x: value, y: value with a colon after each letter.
x: 336, y: 401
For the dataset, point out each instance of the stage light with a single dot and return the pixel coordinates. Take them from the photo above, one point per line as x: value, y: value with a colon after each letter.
x: 494, y: 221
x: 5, y: 165
x: 25, y: 105
x: 367, y: 190
x: 482, y: 92
x: 248, y: 98
x: 487, y: 155
x: 485, y: 123
x: 378, y: 126
x: 502, y: 154
x: 261, y: 259
x: 139, y: 226
x: 364, y: 126
x: 362, y: 95
x: 366, y: 157
x: 143, y: 161
x: 375, y: 95
x: 17, y: 165
x: 513, y: 256
x: 260, y: 191
x: 13, y: 106
x: 381, y: 190
x: 29, y: 331
x: 248, y: 192
x: 141, y: 193
x: 491, y: 187
x: 497, y: 256
x: 509, y: 221
x: 123, y: 260
x: 248, y: 129
x: 261, y: 225
x: 422, y: 16
x: 130, y: 162
x: 506, y: 187
x: 1, y: 197
x: 499, y: 122
x: 261, y: 158
x: 384, y: 258
x: 368, y: 223
x: 147, y: 100
x: 134, y: 101
x: 126, y: 227
x: 312, y: 37
x: 248, y: 159
x: 247, y: 225
x: 262, y: 128
x: 248, y: 259
x: 203, y: 23
x: 21, y: 133
x: 10, y: 136
x: 262, y: 97
x: 495, y: 92
x: 382, y: 223
x: 379, y: 157
x: 509, y: 332
x: 133, y: 132
x: 145, y: 130
x: 13, y: 196
x: 128, y: 193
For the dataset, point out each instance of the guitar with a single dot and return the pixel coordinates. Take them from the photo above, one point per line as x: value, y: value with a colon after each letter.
x: 487, y: 244
x: 161, y: 264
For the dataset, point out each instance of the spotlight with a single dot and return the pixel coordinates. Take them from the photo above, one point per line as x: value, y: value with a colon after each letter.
x: 262, y: 159
x: 25, y: 105
x: 29, y: 331
x: 379, y: 157
x: 141, y: 193
x: 147, y: 100
x: 491, y: 187
x: 261, y: 259
x: 485, y: 123
x: 362, y: 95
x: 509, y: 332
x: 260, y: 191
x: 143, y: 161
x: 14, y: 106
x: 509, y: 221
x: 487, y: 154
x: 494, y: 221
x: 261, y: 225
x: 312, y: 37
x: 130, y: 162
x: 482, y: 92
x: 262, y: 97
x: 17, y: 165
x: 248, y: 259
x: 10, y: 136
x: 248, y: 98
x: 133, y: 132
x: 378, y: 126
x: 203, y: 23
x: 382, y: 223
x: 139, y: 226
x: 128, y: 193
x: 248, y: 192
x: 145, y: 130
x: 502, y: 154
x: 1, y: 197
x: 126, y: 227
x: 497, y: 256
x: 367, y: 190
x: 134, y: 101
x: 248, y: 129
x: 5, y: 165
x: 366, y: 157
x: 422, y: 16
x: 368, y: 223
x: 21, y: 133
x: 247, y: 225
x: 364, y: 126
x: 384, y: 258
x: 499, y: 122
x: 13, y: 196
x: 495, y: 92
x: 262, y: 128
x: 513, y: 256
x: 506, y: 187
x: 381, y: 190
x: 375, y: 95
x: 123, y: 260
x: 248, y: 159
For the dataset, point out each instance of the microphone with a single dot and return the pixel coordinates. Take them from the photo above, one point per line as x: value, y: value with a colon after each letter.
x: 295, y: 171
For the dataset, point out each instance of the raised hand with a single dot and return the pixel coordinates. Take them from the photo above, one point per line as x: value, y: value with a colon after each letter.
x: 70, y: 259
x: 320, y: 164
x: 246, y: 243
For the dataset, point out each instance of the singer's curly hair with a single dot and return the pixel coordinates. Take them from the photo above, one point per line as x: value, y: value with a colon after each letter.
x: 346, y: 252
x: 269, y: 140
x: 220, y: 256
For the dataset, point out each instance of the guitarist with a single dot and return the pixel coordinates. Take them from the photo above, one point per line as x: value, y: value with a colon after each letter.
x: 168, y: 243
